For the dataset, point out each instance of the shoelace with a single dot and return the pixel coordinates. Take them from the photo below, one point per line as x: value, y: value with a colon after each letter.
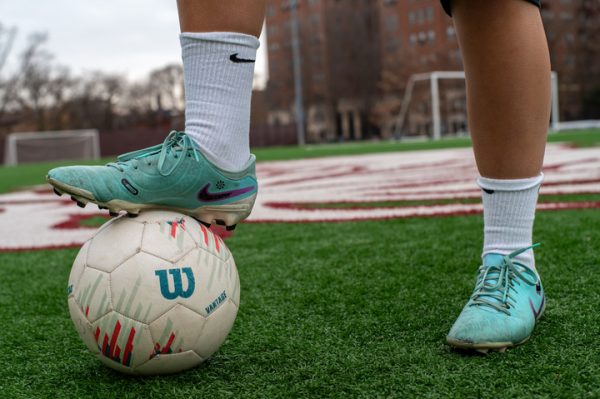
x: 176, y: 143
x: 494, y: 283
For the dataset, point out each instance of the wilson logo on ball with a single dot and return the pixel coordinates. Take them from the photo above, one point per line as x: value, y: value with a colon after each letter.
x: 177, y: 283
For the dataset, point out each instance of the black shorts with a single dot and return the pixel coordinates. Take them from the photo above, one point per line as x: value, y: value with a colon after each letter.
x: 446, y: 5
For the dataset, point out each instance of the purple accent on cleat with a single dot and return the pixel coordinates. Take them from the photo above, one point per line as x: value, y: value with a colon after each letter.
x: 205, y: 196
x: 536, y: 313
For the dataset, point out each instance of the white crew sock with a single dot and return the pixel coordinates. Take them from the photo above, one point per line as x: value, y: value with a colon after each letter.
x: 218, y: 68
x: 508, y: 214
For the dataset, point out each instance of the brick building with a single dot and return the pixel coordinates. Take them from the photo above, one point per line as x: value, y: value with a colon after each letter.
x: 573, y: 28
x: 358, y: 55
x: 417, y: 37
x: 339, y: 51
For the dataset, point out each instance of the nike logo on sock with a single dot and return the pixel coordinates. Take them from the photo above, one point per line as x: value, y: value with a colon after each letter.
x: 206, y: 196
x: 234, y: 58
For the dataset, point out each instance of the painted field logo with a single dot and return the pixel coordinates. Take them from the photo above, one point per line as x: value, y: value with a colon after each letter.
x: 177, y: 283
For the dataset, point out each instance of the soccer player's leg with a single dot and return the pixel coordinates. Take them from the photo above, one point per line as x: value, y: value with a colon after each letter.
x: 207, y: 171
x: 508, y: 92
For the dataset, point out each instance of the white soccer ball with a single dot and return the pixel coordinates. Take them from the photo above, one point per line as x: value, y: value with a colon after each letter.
x: 154, y: 294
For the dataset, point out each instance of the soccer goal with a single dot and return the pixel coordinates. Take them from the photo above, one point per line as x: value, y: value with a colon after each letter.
x: 28, y: 147
x: 439, y: 124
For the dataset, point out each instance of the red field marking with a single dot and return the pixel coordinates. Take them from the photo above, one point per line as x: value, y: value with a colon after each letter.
x: 292, y: 191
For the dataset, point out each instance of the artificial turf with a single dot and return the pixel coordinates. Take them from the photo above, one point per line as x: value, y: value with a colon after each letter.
x: 356, y: 309
x: 332, y: 310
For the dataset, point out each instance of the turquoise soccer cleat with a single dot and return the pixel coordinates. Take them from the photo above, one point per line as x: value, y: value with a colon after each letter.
x: 173, y: 175
x: 507, y: 301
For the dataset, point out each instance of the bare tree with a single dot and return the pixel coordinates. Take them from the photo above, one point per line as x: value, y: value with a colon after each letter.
x: 32, y: 79
x: 60, y: 91
x: 7, y: 84
x: 166, y: 86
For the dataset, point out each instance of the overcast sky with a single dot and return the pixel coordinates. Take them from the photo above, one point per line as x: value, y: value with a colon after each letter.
x: 130, y: 37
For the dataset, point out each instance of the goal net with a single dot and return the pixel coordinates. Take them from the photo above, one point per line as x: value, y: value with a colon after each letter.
x: 28, y: 147
x: 434, y: 105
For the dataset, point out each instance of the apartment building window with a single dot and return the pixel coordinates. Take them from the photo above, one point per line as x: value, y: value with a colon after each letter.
x: 413, y: 39
x: 314, y: 21
x: 429, y: 12
x: 420, y: 16
x: 570, y: 60
x: 272, y: 29
x: 287, y: 4
x: 569, y: 38
x: 566, y: 16
x: 411, y: 18
x: 431, y: 35
x: 391, y: 22
x: 392, y: 44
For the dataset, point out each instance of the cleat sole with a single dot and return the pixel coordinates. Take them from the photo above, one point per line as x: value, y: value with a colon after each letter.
x: 226, y: 215
x: 483, y: 347
x: 230, y: 228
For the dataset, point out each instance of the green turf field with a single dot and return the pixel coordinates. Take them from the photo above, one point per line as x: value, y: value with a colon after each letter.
x: 356, y: 309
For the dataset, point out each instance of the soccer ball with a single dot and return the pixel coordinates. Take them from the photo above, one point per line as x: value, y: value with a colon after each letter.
x: 155, y: 294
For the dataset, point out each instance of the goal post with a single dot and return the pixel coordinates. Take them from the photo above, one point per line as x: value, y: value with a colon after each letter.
x: 28, y: 147
x: 434, y: 88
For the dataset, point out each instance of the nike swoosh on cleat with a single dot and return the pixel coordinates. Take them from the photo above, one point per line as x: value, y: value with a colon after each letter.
x: 536, y: 313
x: 234, y: 58
x: 206, y: 196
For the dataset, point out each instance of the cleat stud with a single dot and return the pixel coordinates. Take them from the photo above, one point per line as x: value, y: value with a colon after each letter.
x: 220, y: 222
x: 482, y: 351
x: 57, y: 192
x: 80, y: 204
x: 132, y: 215
x: 502, y: 350
x: 102, y: 207
x: 73, y: 198
x: 113, y: 214
x: 230, y: 228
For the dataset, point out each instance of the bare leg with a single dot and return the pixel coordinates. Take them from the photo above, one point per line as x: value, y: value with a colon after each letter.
x: 508, y: 84
x: 508, y: 91
x: 242, y: 16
